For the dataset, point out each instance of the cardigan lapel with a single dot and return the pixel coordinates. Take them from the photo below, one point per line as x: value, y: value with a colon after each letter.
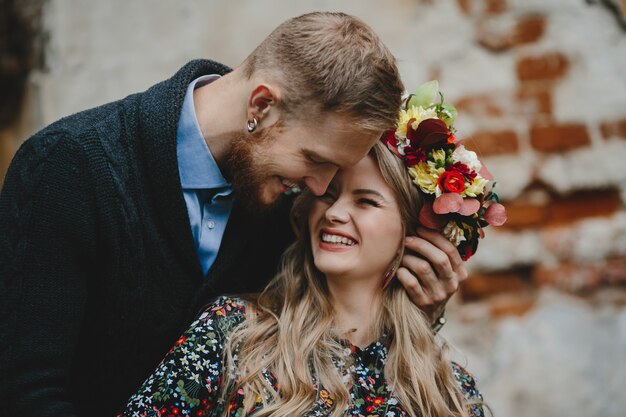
x: 160, y: 108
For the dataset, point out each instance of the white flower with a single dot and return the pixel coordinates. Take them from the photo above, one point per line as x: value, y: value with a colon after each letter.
x: 454, y: 233
x: 466, y: 157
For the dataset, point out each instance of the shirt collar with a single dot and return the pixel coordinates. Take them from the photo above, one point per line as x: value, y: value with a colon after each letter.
x: 196, y: 165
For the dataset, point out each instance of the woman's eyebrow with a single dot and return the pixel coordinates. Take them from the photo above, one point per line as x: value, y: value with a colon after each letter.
x: 368, y: 191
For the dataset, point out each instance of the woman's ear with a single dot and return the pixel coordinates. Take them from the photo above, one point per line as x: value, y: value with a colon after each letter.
x: 263, y: 104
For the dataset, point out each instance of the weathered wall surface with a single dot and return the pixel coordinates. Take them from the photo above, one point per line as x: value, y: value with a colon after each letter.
x: 541, y: 90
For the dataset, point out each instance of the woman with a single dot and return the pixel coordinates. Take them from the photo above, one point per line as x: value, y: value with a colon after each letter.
x: 333, y: 333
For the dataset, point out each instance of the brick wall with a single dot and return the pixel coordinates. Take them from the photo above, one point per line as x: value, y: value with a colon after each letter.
x: 554, y: 136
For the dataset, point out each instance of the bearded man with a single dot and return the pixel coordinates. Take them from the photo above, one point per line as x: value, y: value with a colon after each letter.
x: 118, y: 223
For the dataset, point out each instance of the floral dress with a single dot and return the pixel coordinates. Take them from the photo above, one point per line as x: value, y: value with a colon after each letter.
x: 187, y: 381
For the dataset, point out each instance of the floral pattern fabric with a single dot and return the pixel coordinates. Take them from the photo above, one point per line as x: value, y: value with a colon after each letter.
x: 187, y: 381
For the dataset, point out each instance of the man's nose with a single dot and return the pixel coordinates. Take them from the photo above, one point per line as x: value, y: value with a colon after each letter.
x: 319, y: 182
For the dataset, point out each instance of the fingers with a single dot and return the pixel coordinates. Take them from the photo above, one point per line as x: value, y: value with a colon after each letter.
x: 431, y: 270
x: 414, y: 289
x: 440, y: 252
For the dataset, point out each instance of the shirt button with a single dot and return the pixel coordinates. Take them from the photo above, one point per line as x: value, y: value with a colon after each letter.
x: 210, y: 224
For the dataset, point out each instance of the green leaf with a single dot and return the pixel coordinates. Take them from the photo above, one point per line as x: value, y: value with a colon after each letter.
x: 448, y: 114
x: 425, y: 95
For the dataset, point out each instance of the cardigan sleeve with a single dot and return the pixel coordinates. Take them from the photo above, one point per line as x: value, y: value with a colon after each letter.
x: 46, y: 241
x: 188, y: 379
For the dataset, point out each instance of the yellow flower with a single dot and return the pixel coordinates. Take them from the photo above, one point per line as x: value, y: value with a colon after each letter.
x: 418, y: 113
x: 425, y: 176
x: 476, y: 188
x: 439, y: 156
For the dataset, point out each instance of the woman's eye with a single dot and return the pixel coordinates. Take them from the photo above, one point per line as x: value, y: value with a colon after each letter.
x: 369, y: 201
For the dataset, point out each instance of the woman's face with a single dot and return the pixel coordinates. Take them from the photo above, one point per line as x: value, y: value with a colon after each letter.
x: 356, y: 227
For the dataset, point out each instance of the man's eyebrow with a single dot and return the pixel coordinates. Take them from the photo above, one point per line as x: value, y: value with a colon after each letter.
x: 368, y: 191
x: 318, y: 158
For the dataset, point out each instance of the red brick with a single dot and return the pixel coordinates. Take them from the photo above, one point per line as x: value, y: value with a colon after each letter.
x: 527, y: 29
x: 580, y: 278
x: 613, y: 271
x: 550, y: 137
x: 534, y: 100
x: 493, y: 142
x: 479, y: 106
x: 550, y: 66
x: 495, y: 6
x: 479, y: 286
x: 582, y: 205
x: 568, y: 276
x: 613, y: 129
x: 522, y: 215
x: 512, y: 304
x: 465, y: 6
x: 7, y: 149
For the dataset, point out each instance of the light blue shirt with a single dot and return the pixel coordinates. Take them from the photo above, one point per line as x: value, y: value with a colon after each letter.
x: 207, y: 194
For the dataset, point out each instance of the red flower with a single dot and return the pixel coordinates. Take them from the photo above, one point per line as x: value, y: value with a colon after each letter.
x: 413, y: 156
x: 369, y: 408
x: 467, y: 248
x: 452, y: 182
x: 181, y: 341
x: 463, y: 169
x: 430, y: 133
x: 389, y: 137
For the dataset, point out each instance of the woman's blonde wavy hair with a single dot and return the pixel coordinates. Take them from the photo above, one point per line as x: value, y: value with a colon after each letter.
x: 290, y: 330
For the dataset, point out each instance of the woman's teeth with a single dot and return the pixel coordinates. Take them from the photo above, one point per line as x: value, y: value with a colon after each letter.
x: 328, y: 238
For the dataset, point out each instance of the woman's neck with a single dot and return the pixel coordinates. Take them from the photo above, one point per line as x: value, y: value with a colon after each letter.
x: 357, y: 306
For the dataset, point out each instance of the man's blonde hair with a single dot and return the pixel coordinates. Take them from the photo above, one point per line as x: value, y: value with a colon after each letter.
x: 331, y: 62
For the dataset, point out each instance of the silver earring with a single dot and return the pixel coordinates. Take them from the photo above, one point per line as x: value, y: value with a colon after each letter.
x: 251, y: 126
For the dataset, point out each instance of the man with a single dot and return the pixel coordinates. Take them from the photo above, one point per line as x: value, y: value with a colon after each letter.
x: 118, y: 223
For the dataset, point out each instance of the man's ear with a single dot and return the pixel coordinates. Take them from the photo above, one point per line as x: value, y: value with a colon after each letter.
x: 263, y: 104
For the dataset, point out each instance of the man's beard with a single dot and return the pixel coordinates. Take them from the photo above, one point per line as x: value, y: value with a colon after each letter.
x: 248, y: 171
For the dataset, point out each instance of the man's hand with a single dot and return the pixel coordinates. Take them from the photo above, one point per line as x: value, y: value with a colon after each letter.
x: 432, y: 273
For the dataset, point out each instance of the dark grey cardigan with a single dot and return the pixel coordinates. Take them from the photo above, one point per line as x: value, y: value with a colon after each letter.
x: 98, y: 269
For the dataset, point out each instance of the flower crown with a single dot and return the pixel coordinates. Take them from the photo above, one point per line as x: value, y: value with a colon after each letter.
x: 458, y: 190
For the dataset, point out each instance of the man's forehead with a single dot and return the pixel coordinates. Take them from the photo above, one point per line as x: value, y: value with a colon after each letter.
x: 342, y: 154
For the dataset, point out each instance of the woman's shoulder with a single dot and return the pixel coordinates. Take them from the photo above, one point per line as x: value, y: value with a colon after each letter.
x: 466, y: 381
x: 469, y: 388
x: 222, y: 309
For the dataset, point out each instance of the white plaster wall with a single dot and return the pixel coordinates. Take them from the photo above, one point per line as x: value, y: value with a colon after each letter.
x: 566, y: 357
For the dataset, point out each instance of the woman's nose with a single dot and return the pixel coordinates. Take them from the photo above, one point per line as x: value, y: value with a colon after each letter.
x: 337, y: 212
